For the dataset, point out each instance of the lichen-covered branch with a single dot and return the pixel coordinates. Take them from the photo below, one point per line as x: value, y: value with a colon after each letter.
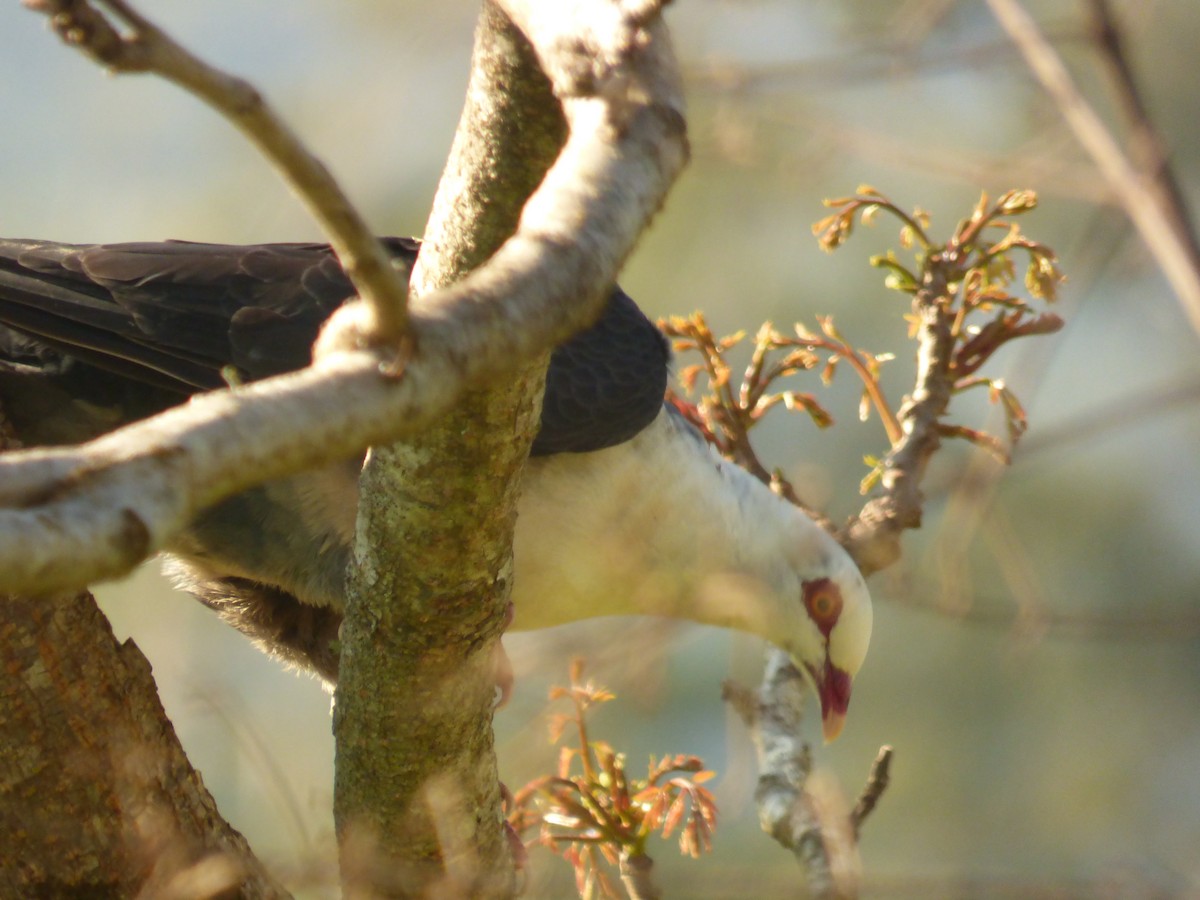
x: 417, y: 794
x: 787, y: 810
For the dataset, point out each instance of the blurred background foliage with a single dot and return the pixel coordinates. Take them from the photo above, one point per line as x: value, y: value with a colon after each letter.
x: 1036, y: 661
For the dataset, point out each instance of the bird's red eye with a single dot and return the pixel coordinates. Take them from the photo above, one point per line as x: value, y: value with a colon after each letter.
x: 823, y: 601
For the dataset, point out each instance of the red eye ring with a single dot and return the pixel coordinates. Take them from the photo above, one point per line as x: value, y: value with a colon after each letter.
x: 823, y: 601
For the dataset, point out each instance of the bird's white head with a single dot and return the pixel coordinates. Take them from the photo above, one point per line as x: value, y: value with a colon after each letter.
x: 710, y: 543
x: 826, y: 612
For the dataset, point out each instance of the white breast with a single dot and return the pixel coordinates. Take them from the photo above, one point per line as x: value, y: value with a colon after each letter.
x: 634, y: 529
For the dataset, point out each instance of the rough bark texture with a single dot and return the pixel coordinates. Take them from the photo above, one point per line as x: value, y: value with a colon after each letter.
x: 96, y: 796
x: 424, y: 613
x: 873, y: 538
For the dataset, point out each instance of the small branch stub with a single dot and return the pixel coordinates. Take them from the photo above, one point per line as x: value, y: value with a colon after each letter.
x: 877, y: 781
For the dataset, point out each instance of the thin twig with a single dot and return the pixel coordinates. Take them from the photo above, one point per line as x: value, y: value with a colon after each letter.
x: 877, y: 782
x: 1062, y: 626
x: 870, y: 65
x: 1132, y: 188
x: 145, y: 48
x: 1146, y: 143
x: 1116, y: 416
x: 874, y: 390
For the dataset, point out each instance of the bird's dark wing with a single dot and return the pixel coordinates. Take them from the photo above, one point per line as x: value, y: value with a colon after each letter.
x: 173, y: 316
x: 605, y: 384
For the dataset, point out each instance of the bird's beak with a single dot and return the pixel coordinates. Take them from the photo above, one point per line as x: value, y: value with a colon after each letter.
x: 833, y: 690
x: 832, y: 724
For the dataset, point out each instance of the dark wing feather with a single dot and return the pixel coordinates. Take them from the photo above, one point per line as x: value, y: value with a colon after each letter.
x: 176, y: 313
x: 605, y: 384
x: 173, y: 315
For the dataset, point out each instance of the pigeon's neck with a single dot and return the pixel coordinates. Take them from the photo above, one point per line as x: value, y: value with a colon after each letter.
x: 659, y: 525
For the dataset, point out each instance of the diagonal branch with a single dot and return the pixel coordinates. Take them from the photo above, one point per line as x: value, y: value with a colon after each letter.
x: 1146, y: 143
x: 108, y: 504
x: 873, y: 538
x: 1134, y: 190
x: 877, y: 781
x: 145, y: 48
x: 788, y: 809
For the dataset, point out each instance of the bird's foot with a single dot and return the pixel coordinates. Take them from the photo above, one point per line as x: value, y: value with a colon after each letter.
x: 503, y: 665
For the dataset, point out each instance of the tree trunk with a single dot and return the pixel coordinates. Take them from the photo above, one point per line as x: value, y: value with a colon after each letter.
x: 99, y: 799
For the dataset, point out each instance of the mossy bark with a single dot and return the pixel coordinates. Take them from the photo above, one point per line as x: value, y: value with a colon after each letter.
x: 417, y: 797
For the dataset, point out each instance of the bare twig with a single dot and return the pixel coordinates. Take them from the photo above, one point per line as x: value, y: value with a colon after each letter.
x: 104, y: 506
x: 877, y: 782
x: 1146, y: 143
x: 870, y: 65
x: 1135, y: 190
x: 1063, y: 626
x: 145, y: 48
x: 1115, y: 416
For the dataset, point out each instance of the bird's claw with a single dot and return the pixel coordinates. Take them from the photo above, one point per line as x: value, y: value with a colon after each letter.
x: 503, y: 665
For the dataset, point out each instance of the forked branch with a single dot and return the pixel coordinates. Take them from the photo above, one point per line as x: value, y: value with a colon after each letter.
x: 108, y: 504
x: 962, y: 313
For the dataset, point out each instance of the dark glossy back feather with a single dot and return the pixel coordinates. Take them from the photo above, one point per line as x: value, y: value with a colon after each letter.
x: 172, y: 317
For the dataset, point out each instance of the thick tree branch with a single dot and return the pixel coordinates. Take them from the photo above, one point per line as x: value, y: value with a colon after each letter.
x: 420, y: 640
x: 423, y: 616
x: 108, y: 504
